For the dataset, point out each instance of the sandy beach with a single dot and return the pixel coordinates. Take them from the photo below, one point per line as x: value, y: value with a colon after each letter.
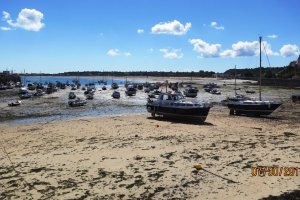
x: 140, y: 157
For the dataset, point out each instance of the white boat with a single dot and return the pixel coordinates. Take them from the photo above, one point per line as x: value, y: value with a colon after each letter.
x: 14, y: 103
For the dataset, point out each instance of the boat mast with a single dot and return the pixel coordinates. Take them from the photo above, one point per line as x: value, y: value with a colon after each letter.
x: 235, y: 80
x: 260, y: 38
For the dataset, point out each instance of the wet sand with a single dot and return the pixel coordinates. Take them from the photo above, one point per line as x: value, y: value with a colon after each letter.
x: 55, y: 106
x: 131, y: 157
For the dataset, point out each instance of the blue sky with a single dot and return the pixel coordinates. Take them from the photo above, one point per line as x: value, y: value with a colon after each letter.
x: 161, y: 35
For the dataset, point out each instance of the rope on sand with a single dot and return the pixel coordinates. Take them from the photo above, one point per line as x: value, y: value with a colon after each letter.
x: 200, y: 167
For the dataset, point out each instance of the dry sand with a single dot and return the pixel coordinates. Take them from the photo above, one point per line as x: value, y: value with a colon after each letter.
x: 148, y: 158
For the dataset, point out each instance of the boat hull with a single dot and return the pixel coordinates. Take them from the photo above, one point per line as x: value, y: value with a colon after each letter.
x: 185, y: 113
x: 252, y: 109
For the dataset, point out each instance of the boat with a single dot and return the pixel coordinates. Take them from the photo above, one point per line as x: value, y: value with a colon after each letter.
x: 77, y: 102
x: 89, y: 96
x: 237, y: 97
x: 39, y: 93
x: 215, y: 91
x: 140, y: 86
x: 25, y: 95
x: 3, y: 87
x: 253, y: 107
x: 116, y: 95
x: 51, y: 88
x: 114, y: 86
x: 250, y: 91
x: 63, y: 86
x: 154, y: 94
x: 14, y: 103
x: 73, y: 86
x: 295, y: 98
x: 104, y: 87
x: 207, y: 89
x: 175, y: 105
x: 147, y: 90
x: 72, y: 95
x: 31, y: 86
x: 190, y: 92
x: 130, y: 90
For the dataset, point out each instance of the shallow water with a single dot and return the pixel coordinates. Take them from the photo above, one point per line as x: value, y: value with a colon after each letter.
x: 79, y: 113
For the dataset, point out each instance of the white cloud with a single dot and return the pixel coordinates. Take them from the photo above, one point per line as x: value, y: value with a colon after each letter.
x: 6, y: 15
x: 28, y: 19
x: 244, y: 48
x: 173, y: 28
x: 205, y: 49
x: 113, y: 52
x: 171, y: 54
x: 140, y: 31
x: 3, y: 28
x: 117, y: 52
x: 216, y: 26
x: 273, y: 36
x: 289, y: 50
x: 239, y: 49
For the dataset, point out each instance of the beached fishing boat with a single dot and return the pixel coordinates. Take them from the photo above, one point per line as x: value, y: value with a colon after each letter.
x: 104, y: 87
x: 130, y: 90
x: 215, y: 91
x: 25, y: 95
x: 116, y: 95
x: 140, y: 86
x: 114, y: 86
x: 296, y: 97
x: 190, y: 92
x: 77, y: 102
x: 253, y: 107
x: 14, y: 103
x: 72, y: 95
x: 89, y: 96
x: 175, y: 105
x: 39, y: 93
x: 31, y: 86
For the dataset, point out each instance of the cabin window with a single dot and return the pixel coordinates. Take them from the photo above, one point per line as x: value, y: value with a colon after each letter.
x: 166, y: 97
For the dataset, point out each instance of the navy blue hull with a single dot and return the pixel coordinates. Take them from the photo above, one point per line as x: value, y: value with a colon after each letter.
x: 187, y: 113
x: 253, y: 109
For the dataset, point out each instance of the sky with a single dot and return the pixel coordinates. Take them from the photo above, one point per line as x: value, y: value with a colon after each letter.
x: 52, y: 36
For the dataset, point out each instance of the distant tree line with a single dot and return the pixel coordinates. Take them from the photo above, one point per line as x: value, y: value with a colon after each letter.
x: 200, y: 73
x: 286, y: 72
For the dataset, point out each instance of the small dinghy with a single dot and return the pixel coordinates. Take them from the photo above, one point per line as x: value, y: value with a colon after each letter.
x: 77, y: 102
x: 14, y: 103
x: 116, y: 95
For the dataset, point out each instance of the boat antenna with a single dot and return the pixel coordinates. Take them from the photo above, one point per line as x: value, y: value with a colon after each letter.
x: 235, y: 80
x: 260, y: 38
